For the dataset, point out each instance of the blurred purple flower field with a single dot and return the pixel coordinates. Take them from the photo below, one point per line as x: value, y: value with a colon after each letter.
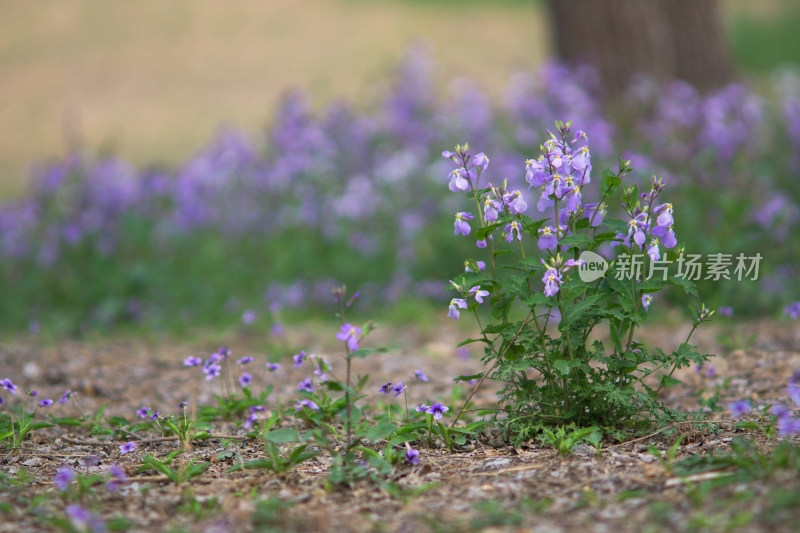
x: 359, y: 195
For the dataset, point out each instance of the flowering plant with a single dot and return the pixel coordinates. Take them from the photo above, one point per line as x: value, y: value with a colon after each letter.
x: 543, y: 343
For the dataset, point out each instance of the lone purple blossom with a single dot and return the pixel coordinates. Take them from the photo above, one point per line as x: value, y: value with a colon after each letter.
x: 456, y: 304
x: 462, y: 223
x: 739, y: 408
x: 412, y: 455
x: 437, y: 410
x: 8, y: 385
x: 128, y: 447
x: 349, y: 335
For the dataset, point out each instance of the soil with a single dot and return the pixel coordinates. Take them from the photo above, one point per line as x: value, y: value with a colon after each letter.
x: 487, y: 484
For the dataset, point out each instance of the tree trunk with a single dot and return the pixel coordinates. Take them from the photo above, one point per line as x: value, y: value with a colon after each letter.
x: 668, y: 39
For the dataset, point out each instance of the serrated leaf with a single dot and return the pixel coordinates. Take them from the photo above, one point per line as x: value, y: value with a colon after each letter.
x: 467, y: 378
x: 565, y: 367
x: 574, y: 311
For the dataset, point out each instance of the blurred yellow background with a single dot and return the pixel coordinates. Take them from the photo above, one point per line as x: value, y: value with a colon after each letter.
x: 151, y: 80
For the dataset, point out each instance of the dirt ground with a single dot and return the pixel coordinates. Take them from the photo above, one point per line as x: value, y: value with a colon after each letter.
x: 484, y: 485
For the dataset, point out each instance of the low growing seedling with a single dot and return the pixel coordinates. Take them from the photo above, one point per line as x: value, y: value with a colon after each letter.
x: 184, y: 472
x: 564, y: 439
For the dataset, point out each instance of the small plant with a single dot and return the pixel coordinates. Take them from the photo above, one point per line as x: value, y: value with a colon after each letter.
x: 538, y: 341
x: 20, y: 421
x: 565, y: 439
x: 184, y: 472
x: 667, y: 459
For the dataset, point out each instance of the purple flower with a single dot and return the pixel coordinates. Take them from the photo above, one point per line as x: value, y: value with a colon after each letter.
x: 45, y: 403
x: 480, y: 160
x: 663, y: 215
x: 33, y: 393
x: 65, y: 397
x: 552, y: 281
x: 422, y: 408
x: 128, y: 447
x: 491, y: 209
x: 8, y: 385
x: 244, y: 360
x: 154, y: 416
x: 421, y: 376
x: 739, y: 408
x: 385, y: 388
x: 183, y: 405
x: 516, y: 202
x: 412, y: 455
x: 245, y: 380
x: 479, y: 294
x: 272, y: 367
x: 306, y: 385
x: 64, y: 476
x: 349, y: 335
x: 462, y: 223
x: 248, y: 317
x: 144, y: 412
x: 118, y: 476
x: 299, y: 358
x: 653, y: 251
x: 118, y: 473
x: 455, y: 304
x: 481, y: 243
x: 458, y: 181
x: 192, y: 361
x: 437, y: 410
x: 667, y: 236
x: 397, y: 389
x: 511, y: 229
x: 212, y: 371
x: 785, y: 423
x: 595, y: 213
x: 548, y: 238
x: 306, y: 403
x: 794, y: 388
x: 647, y: 299
x: 725, y: 310
x: 792, y: 310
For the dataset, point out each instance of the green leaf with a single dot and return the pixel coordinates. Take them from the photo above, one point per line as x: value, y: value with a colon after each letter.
x: 256, y: 464
x: 578, y: 239
x: 565, y: 367
x: 382, y: 430
x: 281, y: 436
x: 574, y: 311
x: 537, y: 298
x: 469, y: 341
x: 66, y: 421
x: 363, y: 352
x: 609, y: 182
x: 468, y: 378
x: 616, y: 225
x: 668, y: 381
x: 482, y: 233
x: 687, y: 285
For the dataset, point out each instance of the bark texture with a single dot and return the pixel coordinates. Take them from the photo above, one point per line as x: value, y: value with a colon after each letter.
x: 668, y: 39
